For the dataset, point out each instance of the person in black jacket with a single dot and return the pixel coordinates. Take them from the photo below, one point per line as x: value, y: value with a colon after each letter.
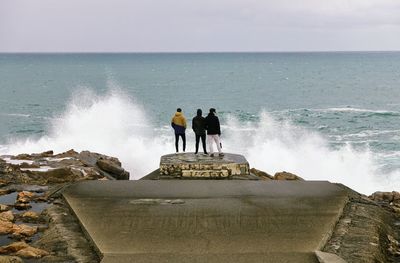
x: 199, y: 128
x: 213, y: 132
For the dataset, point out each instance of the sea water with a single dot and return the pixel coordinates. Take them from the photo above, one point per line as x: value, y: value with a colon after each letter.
x: 324, y: 116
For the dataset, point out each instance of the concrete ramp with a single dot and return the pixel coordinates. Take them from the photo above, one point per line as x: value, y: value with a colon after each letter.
x: 207, y: 221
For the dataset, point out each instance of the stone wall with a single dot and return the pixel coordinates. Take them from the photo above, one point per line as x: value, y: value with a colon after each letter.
x: 191, y: 166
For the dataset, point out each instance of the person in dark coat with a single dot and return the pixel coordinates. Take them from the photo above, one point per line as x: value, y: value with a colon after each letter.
x: 213, y: 132
x: 199, y: 128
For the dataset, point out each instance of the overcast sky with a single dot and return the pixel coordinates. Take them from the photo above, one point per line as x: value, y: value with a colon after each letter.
x: 198, y: 25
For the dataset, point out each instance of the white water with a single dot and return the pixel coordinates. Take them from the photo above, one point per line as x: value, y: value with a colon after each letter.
x: 117, y: 125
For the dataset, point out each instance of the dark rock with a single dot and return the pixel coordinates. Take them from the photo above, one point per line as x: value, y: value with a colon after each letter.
x: 43, y: 154
x: 70, y: 153
x: 113, y: 167
x: 22, y: 156
x: 22, y: 206
x: 27, y: 165
x: 6, y: 191
x: 59, y: 175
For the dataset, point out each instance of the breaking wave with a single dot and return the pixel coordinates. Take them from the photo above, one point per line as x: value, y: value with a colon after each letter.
x: 117, y: 125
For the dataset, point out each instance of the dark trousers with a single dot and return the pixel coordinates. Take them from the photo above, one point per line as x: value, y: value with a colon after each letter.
x: 177, y: 141
x: 203, y: 141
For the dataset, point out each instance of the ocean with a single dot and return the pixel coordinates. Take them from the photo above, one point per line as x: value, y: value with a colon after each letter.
x: 324, y: 116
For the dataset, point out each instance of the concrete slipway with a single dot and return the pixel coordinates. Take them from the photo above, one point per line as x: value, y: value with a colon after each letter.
x: 207, y: 220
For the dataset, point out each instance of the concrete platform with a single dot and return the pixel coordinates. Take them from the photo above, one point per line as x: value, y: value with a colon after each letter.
x: 207, y: 221
x: 202, y: 166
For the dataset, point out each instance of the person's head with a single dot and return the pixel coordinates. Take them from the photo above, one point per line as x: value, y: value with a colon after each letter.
x: 199, y: 112
x: 179, y: 110
x: 212, y: 111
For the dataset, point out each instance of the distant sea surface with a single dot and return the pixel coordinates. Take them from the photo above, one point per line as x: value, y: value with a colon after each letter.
x: 325, y: 116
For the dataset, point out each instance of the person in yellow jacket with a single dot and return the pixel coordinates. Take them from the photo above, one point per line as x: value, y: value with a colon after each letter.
x: 178, y: 122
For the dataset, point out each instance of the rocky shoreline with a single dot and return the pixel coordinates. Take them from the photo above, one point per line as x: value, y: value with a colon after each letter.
x: 36, y: 225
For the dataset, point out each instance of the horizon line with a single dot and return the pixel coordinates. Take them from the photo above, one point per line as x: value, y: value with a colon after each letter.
x: 195, y: 52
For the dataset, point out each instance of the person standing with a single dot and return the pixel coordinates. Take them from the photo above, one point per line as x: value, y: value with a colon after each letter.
x: 178, y: 122
x: 199, y: 128
x: 213, y: 132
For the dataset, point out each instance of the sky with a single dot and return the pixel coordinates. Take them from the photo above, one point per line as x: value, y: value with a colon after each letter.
x: 198, y: 25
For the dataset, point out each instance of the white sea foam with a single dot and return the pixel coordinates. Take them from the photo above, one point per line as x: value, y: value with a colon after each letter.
x: 17, y: 162
x: 41, y: 169
x: 15, y: 114
x: 117, y: 125
x: 349, y: 109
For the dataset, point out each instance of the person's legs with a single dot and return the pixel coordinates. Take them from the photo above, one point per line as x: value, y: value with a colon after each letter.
x: 184, y: 141
x: 176, y: 142
x: 217, y: 141
x: 210, y: 143
x: 203, y: 141
x: 197, y: 142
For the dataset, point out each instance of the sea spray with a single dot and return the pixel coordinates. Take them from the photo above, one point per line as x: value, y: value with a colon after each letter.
x: 275, y: 146
x: 112, y: 124
x: 117, y: 125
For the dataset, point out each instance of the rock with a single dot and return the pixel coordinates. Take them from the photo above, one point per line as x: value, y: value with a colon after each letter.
x: 396, y: 197
x: 31, y: 252
x: 113, y: 167
x: 10, y: 259
x: 59, y: 175
x: 12, y: 248
x: 3, y: 182
x: 22, y: 249
x: 91, y: 173
x: 22, y: 206
x: 23, y: 156
x: 4, y: 208
x: 5, y: 191
x: 30, y: 216
x: 24, y: 230
x: 43, y: 154
x: 261, y: 174
x: 30, y: 188
x: 5, y: 227
x: 90, y: 158
x: 177, y: 202
x: 27, y: 165
x: 69, y: 166
x: 7, y: 216
x: 42, y: 198
x: 387, y: 197
x: 324, y: 257
x: 69, y: 153
x: 25, y: 197
x: 287, y: 176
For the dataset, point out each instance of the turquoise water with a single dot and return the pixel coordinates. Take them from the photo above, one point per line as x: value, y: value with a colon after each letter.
x: 343, y: 101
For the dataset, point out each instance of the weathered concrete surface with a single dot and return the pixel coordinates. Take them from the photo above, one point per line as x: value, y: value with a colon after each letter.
x: 207, y: 221
x: 194, y: 166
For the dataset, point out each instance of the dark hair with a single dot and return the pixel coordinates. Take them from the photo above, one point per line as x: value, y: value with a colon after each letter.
x: 199, y: 112
x: 178, y: 109
x: 212, y: 110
